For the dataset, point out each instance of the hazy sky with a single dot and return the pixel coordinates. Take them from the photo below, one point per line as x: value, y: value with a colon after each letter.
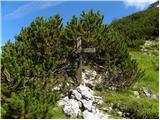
x: 16, y: 14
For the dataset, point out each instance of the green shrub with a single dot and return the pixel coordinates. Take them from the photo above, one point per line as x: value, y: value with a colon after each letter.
x: 35, y: 62
x: 56, y: 112
x: 139, y: 108
x: 138, y: 27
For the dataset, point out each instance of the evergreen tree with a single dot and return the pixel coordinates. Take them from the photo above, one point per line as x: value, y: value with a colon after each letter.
x: 30, y: 65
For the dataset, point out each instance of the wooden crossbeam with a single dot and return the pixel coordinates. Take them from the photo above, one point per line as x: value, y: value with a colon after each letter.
x: 89, y: 50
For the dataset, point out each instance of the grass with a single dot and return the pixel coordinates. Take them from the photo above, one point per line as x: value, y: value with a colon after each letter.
x: 150, y: 65
x: 56, y: 112
x: 142, y: 107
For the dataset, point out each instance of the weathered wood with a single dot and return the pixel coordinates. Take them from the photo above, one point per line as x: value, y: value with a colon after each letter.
x: 80, y: 50
x: 79, y: 45
x: 89, y: 50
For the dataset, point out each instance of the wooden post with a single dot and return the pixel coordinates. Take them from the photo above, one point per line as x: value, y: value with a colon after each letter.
x: 80, y: 50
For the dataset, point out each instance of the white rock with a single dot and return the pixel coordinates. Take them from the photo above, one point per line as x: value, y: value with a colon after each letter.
x: 136, y: 93
x: 147, y: 92
x: 109, y: 109
x: 76, y: 95
x: 63, y: 101
x: 80, y: 104
x: 98, y: 101
x: 94, y: 110
x: 88, y: 77
x: 119, y: 113
x: 154, y: 96
x: 57, y: 87
x: 88, y: 115
x: 94, y: 116
x: 97, y: 97
x: 71, y: 108
x: 87, y: 104
x: 86, y: 92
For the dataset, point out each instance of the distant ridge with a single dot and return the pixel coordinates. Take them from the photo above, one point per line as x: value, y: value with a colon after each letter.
x: 155, y: 4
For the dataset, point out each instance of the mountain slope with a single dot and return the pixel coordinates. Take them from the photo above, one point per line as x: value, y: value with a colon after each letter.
x: 139, y: 26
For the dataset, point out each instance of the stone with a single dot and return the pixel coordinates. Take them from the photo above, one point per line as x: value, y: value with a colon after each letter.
x: 99, y: 80
x: 111, y: 104
x: 147, y: 92
x: 98, y: 101
x: 136, y: 93
x: 88, y: 115
x: 86, y: 92
x: 94, y: 110
x: 95, y: 116
x: 75, y: 94
x: 154, y: 96
x: 119, y: 113
x: 109, y: 109
x: 80, y: 104
x: 63, y: 101
x: 71, y: 108
x: 112, y: 88
x: 88, y: 78
x: 87, y: 104
x: 57, y: 87
x: 97, y: 97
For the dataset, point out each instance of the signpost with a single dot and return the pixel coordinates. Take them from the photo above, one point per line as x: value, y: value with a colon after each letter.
x: 80, y: 51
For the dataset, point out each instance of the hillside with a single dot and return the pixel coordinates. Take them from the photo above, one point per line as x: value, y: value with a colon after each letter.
x: 138, y: 27
x: 39, y: 70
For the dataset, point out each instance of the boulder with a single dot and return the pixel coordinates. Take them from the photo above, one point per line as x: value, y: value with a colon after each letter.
x: 88, y: 78
x: 94, y: 116
x: 119, y: 113
x: 75, y: 95
x: 57, y: 87
x: 86, y: 92
x: 154, y: 96
x: 136, y: 93
x: 63, y: 101
x: 98, y: 101
x: 87, y: 104
x: 71, y: 108
x: 147, y: 92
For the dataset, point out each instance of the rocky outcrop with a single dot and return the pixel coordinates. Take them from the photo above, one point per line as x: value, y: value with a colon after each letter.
x: 81, y: 101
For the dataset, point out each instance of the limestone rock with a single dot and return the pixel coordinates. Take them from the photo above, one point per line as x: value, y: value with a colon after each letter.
x: 96, y: 116
x: 147, y: 92
x: 63, y: 101
x: 154, y: 96
x: 87, y: 104
x: 136, y: 93
x: 75, y: 94
x: 88, y: 77
x: 86, y: 92
x: 119, y: 113
x: 71, y: 108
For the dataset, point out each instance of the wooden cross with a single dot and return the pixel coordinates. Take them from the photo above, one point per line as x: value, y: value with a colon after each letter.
x: 80, y: 50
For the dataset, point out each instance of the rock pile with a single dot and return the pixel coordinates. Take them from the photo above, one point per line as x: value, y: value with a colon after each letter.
x: 81, y: 101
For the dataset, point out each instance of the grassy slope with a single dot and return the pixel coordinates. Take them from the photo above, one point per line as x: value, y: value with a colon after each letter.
x: 147, y: 63
x: 142, y: 107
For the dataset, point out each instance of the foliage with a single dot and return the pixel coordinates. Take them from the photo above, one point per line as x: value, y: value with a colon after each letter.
x: 122, y: 70
x: 138, y: 27
x: 138, y: 108
x: 32, y: 66
x: 56, y: 112
x: 149, y: 63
